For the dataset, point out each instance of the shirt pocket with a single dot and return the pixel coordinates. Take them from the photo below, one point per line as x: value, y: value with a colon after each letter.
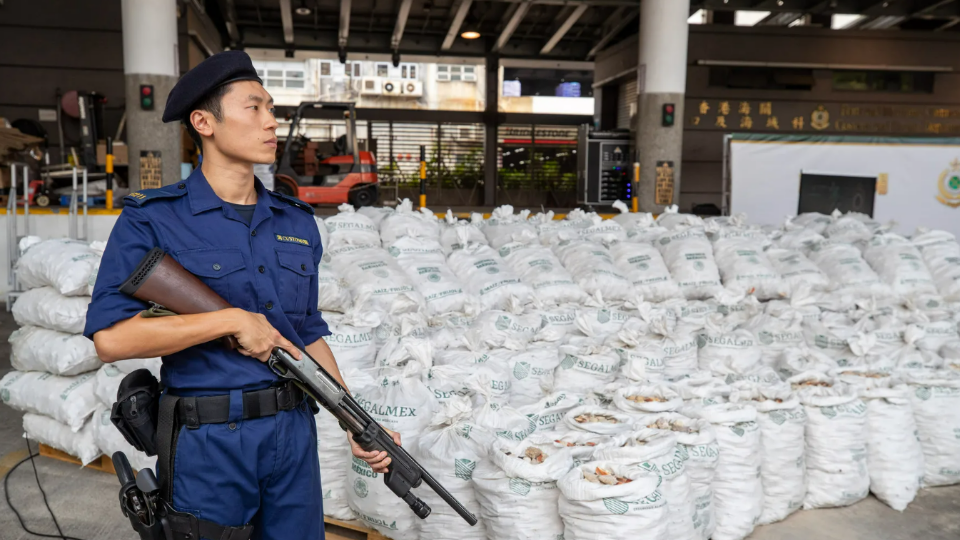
x: 218, y: 268
x: 296, y: 269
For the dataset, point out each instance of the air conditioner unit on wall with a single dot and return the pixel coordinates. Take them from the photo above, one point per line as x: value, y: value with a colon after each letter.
x: 392, y: 87
x: 412, y: 88
x: 370, y: 86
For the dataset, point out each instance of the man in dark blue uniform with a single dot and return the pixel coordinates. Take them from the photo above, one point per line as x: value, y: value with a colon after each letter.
x: 254, y: 461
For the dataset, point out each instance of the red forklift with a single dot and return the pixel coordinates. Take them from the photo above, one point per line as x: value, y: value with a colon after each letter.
x: 327, y: 172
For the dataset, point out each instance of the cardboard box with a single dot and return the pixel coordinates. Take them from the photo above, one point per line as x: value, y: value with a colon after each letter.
x: 119, y: 153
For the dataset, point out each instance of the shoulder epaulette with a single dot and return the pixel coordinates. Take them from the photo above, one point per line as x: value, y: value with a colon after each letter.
x: 294, y: 201
x: 142, y: 197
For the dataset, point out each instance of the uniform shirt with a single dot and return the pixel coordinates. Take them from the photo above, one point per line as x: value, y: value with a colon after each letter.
x: 268, y: 266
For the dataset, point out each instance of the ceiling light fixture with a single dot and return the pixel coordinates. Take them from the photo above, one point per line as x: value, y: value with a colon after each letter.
x: 302, y: 9
x: 470, y: 34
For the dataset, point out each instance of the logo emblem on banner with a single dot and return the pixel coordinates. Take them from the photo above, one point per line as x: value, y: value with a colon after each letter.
x: 820, y: 118
x: 949, y: 185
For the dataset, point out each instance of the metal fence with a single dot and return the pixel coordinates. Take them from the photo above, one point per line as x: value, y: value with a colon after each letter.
x: 536, y: 164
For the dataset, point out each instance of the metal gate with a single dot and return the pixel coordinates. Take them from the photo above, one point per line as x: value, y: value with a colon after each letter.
x: 537, y: 166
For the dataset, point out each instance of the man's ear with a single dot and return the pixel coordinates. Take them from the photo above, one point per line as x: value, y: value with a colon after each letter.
x: 202, y: 121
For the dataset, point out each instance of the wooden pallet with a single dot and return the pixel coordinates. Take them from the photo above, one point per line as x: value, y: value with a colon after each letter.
x: 335, y: 529
x: 102, y: 463
x: 349, y: 530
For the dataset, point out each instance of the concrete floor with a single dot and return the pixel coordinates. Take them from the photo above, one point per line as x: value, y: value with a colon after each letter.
x: 85, y: 501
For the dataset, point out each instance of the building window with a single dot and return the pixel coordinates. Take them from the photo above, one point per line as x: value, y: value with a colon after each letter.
x: 761, y: 78
x: 283, y: 75
x: 383, y: 70
x: 408, y: 71
x: 352, y: 69
x: 324, y: 69
x: 456, y: 73
x: 907, y: 82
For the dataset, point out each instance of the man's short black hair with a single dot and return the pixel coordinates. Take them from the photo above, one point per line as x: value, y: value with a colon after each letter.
x: 211, y: 103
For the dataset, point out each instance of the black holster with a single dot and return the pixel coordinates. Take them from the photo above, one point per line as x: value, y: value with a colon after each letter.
x: 135, y: 412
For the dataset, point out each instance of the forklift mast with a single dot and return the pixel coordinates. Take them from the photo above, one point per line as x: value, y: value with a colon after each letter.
x: 349, y: 114
x: 91, y: 126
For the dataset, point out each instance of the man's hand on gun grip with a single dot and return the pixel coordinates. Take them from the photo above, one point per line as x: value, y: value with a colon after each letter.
x: 258, y: 337
x: 378, y: 461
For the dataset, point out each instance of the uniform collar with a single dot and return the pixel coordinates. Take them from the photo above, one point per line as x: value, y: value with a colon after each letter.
x: 203, y: 198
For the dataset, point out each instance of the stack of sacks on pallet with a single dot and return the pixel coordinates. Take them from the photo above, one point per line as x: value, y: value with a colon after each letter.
x: 59, y: 381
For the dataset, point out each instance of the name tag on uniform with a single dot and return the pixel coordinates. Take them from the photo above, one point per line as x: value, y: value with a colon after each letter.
x: 292, y: 240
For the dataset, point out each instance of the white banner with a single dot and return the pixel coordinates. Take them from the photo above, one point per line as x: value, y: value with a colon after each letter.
x: 922, y: 176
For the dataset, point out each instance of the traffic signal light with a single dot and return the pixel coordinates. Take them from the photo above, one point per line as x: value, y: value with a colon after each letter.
x: 669, y: 111
x: 146, y: 97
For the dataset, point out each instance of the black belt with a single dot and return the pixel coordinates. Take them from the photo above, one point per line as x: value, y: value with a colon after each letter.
x: 193, y: 412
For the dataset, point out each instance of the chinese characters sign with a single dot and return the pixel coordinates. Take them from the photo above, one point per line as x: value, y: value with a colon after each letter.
x: 807, y: 117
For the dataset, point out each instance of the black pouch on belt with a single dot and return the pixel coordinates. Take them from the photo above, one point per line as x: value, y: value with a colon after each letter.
x: 135, y: 412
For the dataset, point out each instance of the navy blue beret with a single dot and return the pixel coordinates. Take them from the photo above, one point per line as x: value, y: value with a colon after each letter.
x: 218, y: 70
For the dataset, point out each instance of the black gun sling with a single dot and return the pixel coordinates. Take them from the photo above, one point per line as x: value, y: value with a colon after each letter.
x: 192, y: 412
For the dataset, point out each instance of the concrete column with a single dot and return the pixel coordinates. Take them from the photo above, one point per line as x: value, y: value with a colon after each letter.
x: 151, y: 56
x: 662, y: 78
x: 491, y: 124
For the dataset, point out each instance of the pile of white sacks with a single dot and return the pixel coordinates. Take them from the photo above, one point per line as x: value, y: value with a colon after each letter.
x: 59, y: 382
x: 724, y: 375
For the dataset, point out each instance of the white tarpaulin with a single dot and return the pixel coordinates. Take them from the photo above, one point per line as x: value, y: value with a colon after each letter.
x: 765, y: 176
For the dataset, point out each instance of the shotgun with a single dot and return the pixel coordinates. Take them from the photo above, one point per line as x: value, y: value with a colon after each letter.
x: 160, y: 280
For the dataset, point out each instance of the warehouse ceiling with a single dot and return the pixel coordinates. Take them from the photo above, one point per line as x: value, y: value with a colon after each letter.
x: 551, y: 29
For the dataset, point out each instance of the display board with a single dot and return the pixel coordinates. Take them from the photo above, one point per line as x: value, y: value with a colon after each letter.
x: 825, y: 192
x: 917, y: 179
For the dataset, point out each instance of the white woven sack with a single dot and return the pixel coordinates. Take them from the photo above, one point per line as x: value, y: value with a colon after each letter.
x: 578, y: 418
x: 795, y: 268
x: 532, y: 371
x: 503, y: 421
x: 643, y: 265
x: 518, y: 500
x: 660, y: 451
x: 68, y: 400
x: 899, y: 264
x: 454, y: 234
x: 539, y: 268
x: 641, y: 359
x: 594, y: 511
x: 745, y: 268
x: 495, y: 329
x: 737, y: 489
x: 722, y: 347
x: 450, y: 449
x: 941, y: 253
x: 846, y: 228
x: 783, y: 471
x: 556, y: 323
x: 689, y: 256
x: 109, y: 440
x: 106, y: 384
x: 640, y: 400
x: 549, y: 411
x: 486, y: 276
x: 836, y: 446
x: 845, y: 267
x: 333, y: 292
x: 406, y: 221
x: 631, y: 220
x: 48, y: 431
x: 376, y: 281
x: 830, y: 335
x: 324, y: 233
x: 592, y: 266
x: 69, y: 266
x: 585, y: 367
x: 376, y: 214
x: 894, y: 454
x: 38, y: 349
x: 504, y: 227
x: 600, y: 322
x: 351, y: 338
x: 935, y: 396
x: 333, y: 451
x: 401, y: 403
x: 441, y: 289
x: 697, y: 439
x: 582, y: 445
x: 129, y: 366
x: 47, y: 308
x: 350, y: 227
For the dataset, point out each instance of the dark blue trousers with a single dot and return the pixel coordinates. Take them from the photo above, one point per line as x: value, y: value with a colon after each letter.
x: 263, y: 471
